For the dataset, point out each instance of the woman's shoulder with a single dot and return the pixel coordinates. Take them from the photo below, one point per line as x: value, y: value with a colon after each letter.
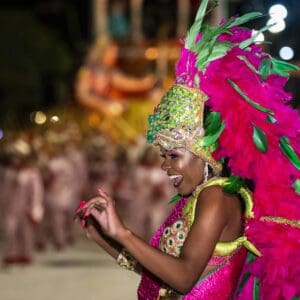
x: 212, y: 189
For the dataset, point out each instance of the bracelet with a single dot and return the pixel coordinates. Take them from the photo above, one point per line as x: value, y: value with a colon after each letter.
x: 126, y: 261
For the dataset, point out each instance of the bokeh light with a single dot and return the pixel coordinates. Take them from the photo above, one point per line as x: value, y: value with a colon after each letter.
x: 278, y: 11
x: 278, y: 25
x: 151, y: 53
x: 40, y: 118
x: 286, y: 53
x: 54, y: 119
x: 259, y: 38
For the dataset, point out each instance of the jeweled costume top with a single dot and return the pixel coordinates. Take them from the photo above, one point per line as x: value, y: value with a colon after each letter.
x: 228, y: 257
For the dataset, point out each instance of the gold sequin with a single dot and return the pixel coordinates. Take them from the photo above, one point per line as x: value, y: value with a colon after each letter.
x: 280, y: 220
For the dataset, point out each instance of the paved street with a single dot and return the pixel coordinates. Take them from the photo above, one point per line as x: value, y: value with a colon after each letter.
x: 80, y: 272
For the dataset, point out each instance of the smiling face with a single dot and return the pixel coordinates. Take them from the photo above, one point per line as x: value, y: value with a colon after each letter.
x: 184, y: 168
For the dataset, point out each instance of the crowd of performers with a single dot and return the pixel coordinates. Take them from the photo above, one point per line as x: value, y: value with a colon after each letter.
x: 45, y: 175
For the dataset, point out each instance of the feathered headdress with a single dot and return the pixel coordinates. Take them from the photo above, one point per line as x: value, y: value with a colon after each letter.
x: 251, y: 125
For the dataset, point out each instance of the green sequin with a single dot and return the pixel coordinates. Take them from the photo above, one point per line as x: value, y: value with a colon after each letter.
x: 150, y: 119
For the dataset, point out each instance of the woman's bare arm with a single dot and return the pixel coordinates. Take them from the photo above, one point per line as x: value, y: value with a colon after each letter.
x: 183, y: 272
x: 109, y: 245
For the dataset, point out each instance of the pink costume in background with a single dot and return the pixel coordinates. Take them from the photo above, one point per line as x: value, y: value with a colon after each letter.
x: 60, y: 196
x: 154, y: 189
x: 102, y: 173
x: 79, y: 162
x: 23, y: 207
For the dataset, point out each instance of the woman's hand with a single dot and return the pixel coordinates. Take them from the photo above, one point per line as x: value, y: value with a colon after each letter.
x: 102, y: 209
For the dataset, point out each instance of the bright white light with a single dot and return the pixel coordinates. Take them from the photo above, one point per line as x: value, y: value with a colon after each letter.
x: 260, y: 38
x: 54, y: 119
x: 40, y: 118
x: 278, y: 11
x: 286, y: 53
x: 279, y: 25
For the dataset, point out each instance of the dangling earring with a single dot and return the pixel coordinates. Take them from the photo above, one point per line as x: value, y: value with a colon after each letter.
x: 205, y: 172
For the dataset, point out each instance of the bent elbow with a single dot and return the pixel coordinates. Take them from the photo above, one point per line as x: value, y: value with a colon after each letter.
x: 186, y: 285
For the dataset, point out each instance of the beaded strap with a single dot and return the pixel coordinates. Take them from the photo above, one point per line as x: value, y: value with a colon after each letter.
x: 224, y: 248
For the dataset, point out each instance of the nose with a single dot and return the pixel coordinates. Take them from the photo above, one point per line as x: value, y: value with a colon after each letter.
x: 165, y: 166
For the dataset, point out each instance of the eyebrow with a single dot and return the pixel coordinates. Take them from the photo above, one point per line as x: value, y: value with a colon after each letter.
x: 177, y: 151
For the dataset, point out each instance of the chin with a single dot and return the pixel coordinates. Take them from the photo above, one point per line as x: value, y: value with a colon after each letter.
x: 184, y: 193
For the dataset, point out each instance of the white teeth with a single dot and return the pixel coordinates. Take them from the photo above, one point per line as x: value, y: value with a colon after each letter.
x: 176, y: 179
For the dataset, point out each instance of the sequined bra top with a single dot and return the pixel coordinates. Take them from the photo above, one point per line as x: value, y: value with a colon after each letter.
x: 174, y: 235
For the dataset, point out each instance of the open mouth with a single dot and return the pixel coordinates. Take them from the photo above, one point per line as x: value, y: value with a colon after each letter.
x: 176, y: 180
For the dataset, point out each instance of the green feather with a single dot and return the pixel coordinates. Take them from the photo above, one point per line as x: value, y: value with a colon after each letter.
x: 289, y: 152
x: 260, y: 139
x: 219, y: 50
x: 209, y: 140
x: 243, y: 281
x: 256, y: 288
x: 196, y: 27
x: 248, y: 42
x: 250, y: 257
x: 247, y: 99
x: 212, y: 122
x: 248, y: 63
x: 233, y: 184
x: 246, y: 18
x: 271, y: 119
x: 296, y: 186
x: 174, y: 199
x: 265, y: 68
x: 282, y: 68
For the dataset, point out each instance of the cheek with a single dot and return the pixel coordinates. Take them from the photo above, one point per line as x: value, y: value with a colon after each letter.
x: 196, y: 172
x: 184, y: 163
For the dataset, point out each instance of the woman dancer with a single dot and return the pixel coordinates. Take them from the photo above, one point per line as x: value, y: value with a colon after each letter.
x: 200, y: 250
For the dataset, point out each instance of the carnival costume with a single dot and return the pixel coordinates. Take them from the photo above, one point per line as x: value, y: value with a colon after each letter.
x: 251, y: 126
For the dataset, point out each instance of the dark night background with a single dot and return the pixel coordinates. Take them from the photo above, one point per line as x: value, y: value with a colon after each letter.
x: 43, y: 44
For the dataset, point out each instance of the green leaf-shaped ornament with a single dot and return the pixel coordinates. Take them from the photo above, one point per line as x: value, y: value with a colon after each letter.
x: 219, y: 50
x: 233, y: 184
x: 174, y: 199
x: 271, y: 119
x: 260, y: 139
x: 246, y: 18
x: 282, y: 68
x: 209, y: 140
x: 212, y: 123
x: 248, y: 63
x: 256, y: 288
x: 196, y: 27
x: 265, y: 68
x: 296, y: 186
x: 289, y: 152
x: 248, y: 42
x: 247, y: 99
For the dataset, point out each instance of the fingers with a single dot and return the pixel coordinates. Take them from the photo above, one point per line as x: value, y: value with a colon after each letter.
x: 104, y: 194
x: 79, y: 213
x: 97, y: 204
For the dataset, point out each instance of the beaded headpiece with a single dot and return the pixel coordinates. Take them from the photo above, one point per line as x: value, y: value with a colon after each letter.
x: 178, y: 123
x: 252, y: 127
